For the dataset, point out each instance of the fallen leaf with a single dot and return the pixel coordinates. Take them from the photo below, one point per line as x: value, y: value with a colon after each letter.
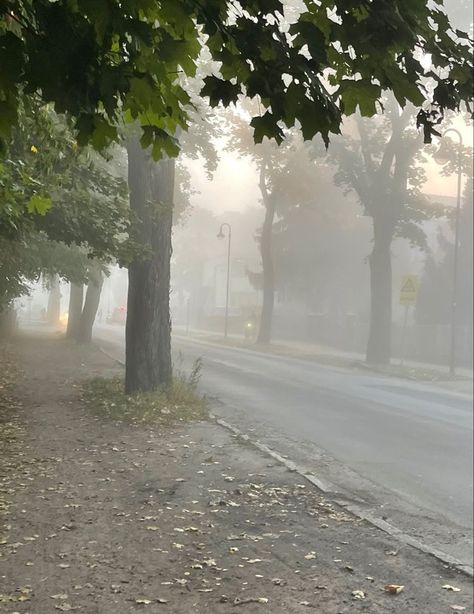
x: 210, y: 563
x: 393, y: 589
x: 453, y: 589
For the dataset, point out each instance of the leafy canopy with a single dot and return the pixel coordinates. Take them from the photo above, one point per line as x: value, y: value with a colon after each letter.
x: 101, y: 61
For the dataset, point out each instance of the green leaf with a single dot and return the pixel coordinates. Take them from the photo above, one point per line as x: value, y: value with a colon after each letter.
x: 219, y: 90
x: 360, y: 94
x: 39, y: 204
x: 266, y: 126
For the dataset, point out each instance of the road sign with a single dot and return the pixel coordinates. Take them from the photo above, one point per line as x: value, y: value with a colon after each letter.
x: 409, y: 290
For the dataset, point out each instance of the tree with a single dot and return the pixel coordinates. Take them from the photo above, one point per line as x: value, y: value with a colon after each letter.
x: 91, y: 303
x: 380, y: 166
x: 319, y: 244
x: 82, y: 215
x: 276, y: 167
x: 101, y: 62
x: 76, y: 300
x: 148, y: 327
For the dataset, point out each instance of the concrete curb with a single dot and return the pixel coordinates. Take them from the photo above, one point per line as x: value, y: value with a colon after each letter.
x: 117, y: 360
x: 356, y: 510
x: 330, y: 488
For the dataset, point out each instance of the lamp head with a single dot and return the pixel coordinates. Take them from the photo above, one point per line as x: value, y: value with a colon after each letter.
x: 220, y: 234
x: 442, y: 156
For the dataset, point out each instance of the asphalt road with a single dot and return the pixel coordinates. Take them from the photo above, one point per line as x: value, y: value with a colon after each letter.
x: 405, y: 449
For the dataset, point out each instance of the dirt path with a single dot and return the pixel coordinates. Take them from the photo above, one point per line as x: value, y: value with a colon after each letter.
x: 107, y: 518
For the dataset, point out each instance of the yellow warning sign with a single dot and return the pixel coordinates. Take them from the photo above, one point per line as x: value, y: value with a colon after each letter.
x: 409, y: 290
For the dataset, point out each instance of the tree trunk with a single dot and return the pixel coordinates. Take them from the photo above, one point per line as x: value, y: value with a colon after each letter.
x: 76, y: 298
x: 8, y: 322
x: 54, y: 300
x: 264, y: 333
x: 91, y: 304
x: 380, y: 261
x: 148, y: 327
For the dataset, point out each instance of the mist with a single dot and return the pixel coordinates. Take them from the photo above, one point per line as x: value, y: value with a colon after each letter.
x: 236, y: 306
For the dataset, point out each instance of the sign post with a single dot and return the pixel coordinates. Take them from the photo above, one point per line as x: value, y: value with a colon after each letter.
x: 408, y: 296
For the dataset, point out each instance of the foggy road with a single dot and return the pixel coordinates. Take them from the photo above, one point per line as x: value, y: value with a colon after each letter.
x: 404, y: 448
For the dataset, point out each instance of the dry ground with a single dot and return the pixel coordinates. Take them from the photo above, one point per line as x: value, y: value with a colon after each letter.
x: 101, y: 517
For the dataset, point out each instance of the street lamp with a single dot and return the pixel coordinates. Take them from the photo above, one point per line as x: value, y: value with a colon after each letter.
x: 221, y: 235
x: 440, y: 159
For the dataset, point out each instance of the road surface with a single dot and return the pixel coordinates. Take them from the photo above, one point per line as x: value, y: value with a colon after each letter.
x: 404, y: 449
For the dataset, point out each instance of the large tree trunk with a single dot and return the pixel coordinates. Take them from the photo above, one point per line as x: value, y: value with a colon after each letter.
x: 54, y: 300
x: 380, y: 261
x: 264, y: 333
x: 76, y: 298
x: 91, y: 304
x: 148, y: 328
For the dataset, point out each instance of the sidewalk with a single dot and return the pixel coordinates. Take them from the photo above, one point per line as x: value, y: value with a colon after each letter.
x: 104, y: 517
x: 417, y: 371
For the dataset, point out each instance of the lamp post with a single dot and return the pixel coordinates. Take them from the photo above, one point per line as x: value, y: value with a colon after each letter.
x: 221, y: 235
x: 454, y: 297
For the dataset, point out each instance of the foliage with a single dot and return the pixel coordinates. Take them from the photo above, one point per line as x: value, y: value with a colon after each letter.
x: 59, y: 206
x: 24, y: 261
x: 320, y: 243
x: 435, y: 295
x: 381, y: 161
x: 48, y: 184
x: 99, y: 61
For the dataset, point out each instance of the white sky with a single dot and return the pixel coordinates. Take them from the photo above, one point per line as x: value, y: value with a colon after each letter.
x: 234, y: 186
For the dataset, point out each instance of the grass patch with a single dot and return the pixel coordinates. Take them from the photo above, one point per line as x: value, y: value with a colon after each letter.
x: 178, y: 402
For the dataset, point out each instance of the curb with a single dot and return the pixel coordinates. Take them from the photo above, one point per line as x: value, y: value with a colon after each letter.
x: 117, y: 360
x: 356, y: 510
x: 330, y: 488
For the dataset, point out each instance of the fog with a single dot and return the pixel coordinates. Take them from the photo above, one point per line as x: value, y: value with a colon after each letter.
x: 236, y: 306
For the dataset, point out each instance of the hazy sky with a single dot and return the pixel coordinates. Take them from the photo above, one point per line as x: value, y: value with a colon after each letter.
x: 233, y: 187
x: 235, y: 183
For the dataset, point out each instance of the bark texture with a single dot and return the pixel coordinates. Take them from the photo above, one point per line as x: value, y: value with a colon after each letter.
x: 76, y: 298
x: 148, y: 327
